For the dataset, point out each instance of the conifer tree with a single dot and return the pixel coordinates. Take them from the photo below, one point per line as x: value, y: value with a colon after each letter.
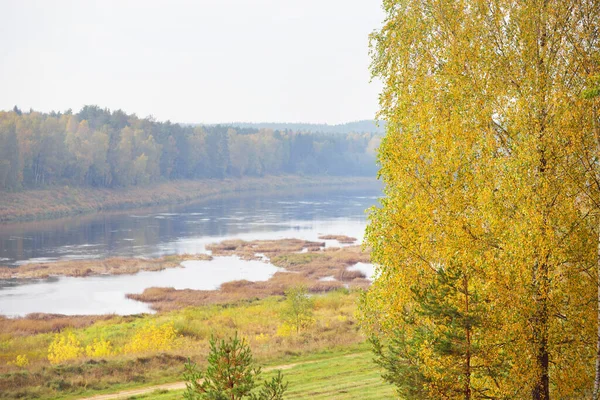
x: 231, y: 375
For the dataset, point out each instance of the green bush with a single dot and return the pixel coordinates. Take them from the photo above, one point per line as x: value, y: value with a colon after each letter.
x: 298, y: 311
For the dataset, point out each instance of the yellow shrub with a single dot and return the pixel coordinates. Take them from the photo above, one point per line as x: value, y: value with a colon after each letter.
x: 285, y: 330
x: 21, y: 361
x: 64, y: 347
x: 100, y: 348
x: 262, y: 338
x: 152, y: 338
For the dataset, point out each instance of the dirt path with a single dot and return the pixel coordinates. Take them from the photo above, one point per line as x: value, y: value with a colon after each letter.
x: 181, y: 385
x: 174, y: 385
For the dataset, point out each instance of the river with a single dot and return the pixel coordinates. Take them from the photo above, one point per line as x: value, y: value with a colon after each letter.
x: 167, y: 230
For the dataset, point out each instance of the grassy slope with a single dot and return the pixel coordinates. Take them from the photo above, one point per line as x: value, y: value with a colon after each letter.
x: 343, y: 376
x: 346, y: 373
x: 62, y: 201
x: 334, y: 334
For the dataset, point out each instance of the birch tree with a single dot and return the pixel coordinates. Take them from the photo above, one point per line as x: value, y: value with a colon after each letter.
x: 483, y: 198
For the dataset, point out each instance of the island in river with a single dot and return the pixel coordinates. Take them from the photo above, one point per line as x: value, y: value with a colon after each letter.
x: 160, y: 256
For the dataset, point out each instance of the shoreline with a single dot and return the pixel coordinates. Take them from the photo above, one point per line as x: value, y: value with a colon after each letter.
x: 64, y: 201
x: 310, y: 264
x: 96, y: 267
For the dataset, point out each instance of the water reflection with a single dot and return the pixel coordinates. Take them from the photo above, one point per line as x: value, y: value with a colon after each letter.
x: 184, y: 228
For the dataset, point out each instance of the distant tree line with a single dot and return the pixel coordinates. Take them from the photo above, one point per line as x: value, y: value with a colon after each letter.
x: 100, y: 148
x: 363, y: 126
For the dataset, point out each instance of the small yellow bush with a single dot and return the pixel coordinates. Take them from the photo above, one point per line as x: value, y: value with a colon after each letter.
x: 21, y: 361
x: 285, y: 330
x: 100, y: 348
x: 64, y: 347
x: 342, y: 318
x: 152, y: 338
x: 262, y: 338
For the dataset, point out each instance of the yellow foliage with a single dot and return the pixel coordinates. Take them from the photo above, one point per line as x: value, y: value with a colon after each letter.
x: 152, y: 338
x: 285, y: 330
x: 21, y: 361
x: 298, y: 312
x: 99, y: 348
x: 486, y: 240
x: 64, y: 347
x: 262, y: 338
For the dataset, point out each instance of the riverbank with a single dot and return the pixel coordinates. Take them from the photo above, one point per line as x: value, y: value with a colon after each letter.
x: 64, y: 201
x: 311, y: 264
x: 26, y: 372
x: 317, y: 268
x: 109, y: 266
x: 111, y: 353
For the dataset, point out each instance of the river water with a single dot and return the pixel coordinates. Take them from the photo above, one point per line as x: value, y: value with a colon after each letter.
x: 167, y: 230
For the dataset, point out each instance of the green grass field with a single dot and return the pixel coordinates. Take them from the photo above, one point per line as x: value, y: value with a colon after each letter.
x: 345, y: 374
x: 351, y: 376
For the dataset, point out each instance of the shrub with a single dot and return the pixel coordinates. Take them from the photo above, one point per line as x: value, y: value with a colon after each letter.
x: 231, y: 374
x: 298, y: 311
x: 99, y: 348
x: 21, y: 361
x: 64, y: 347
x: 152, y: 338
x: 262, y: 338
x: 285, y: 330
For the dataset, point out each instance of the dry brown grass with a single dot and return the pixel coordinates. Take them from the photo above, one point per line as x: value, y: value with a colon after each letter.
x: 320, y: 264
x: 270, y: 248
x: 340, y: 238
x: 43, y: 323
x: 306, y: 268
x: 344, y: 275
x: 109, y: 266
x: 168, y: 299
x: 56, y: 382
x: 301, y: 269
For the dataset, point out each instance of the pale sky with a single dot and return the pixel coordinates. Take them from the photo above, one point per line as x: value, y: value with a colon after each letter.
x: 192, y: 61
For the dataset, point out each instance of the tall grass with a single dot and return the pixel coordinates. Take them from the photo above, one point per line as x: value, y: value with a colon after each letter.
x: 302, y: 268
x: 109, y: 266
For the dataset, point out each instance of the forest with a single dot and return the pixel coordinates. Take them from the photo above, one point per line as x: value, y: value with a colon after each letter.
x: 99, y: 148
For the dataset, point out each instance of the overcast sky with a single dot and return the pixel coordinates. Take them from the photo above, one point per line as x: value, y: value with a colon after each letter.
x: 192, y: 61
